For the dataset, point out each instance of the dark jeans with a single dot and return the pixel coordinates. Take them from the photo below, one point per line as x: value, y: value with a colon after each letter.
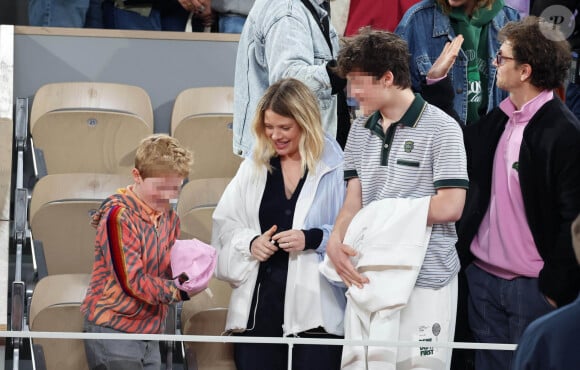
x: 231, y: 23
x: 167, y: 16
x: 499, y: 312
x: 65, y: 13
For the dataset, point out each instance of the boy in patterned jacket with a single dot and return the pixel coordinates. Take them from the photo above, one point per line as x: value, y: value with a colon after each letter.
x: 131, y: 284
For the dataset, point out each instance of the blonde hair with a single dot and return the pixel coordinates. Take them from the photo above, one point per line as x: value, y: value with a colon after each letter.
x: 161, y: 154
x: 478, y: 5
x: 293, y: 99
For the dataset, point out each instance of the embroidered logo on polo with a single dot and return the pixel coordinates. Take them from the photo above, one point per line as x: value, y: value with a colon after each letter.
x: 516, y: 166
x: 409, y: 146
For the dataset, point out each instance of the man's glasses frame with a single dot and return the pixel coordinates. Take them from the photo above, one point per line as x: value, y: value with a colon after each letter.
x: 500, y: 59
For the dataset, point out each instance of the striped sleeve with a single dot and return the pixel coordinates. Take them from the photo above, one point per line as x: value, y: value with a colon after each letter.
x: 125, y: 251
x: 449, y: 159
x: 351, y: 149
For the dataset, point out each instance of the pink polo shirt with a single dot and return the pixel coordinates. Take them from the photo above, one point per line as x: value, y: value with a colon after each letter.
x: 504, y: 245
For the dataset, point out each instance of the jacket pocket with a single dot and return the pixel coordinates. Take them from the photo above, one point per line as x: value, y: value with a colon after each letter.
x: 424, y: 64
x: 119, y: 302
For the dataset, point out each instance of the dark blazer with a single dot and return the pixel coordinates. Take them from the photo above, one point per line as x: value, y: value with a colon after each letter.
x: 549, y: 171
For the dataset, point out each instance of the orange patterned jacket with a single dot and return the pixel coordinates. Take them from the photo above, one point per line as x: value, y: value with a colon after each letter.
x: 131, y: 284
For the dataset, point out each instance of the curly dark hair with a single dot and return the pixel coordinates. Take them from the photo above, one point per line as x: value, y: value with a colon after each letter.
x: 375, y: 53
x: 541, y: 45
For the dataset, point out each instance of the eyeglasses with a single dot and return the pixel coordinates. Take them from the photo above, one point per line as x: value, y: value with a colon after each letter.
x: 500, y: 59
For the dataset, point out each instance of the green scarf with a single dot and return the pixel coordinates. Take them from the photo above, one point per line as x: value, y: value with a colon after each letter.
x: 474, y: 30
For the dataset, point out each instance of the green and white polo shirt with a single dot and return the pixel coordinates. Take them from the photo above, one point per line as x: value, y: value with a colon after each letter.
x: 422, y: 152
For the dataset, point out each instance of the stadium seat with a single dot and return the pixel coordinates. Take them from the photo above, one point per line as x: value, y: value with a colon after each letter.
x: 196, y: 204
x: 90, y: 126
x: 202, y: 121
x: 55, y: 307
x: 205, y: 314
x: 60, y: 211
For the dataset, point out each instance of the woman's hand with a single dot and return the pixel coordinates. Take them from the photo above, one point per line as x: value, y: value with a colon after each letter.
x: 291, y: 240
x: 263, y: 247
x: 446, y: 59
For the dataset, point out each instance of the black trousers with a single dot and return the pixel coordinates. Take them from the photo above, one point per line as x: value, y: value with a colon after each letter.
x: 250, y: 356
x: 266, y: 319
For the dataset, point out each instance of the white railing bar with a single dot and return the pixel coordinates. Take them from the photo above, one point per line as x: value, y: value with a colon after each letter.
x: 241, y: 339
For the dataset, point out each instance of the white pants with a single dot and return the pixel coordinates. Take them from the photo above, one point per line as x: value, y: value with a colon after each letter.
x: 429, y: 316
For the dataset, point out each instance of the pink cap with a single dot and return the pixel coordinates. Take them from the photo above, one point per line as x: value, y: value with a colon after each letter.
x: 196, y: 260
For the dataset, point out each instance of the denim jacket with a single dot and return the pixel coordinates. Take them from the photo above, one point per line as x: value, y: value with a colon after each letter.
x: 281, y: 39
x: 426, y: 16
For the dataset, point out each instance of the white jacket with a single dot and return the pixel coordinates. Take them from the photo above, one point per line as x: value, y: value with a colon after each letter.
x: 391, y: 238
x: 310, y: 300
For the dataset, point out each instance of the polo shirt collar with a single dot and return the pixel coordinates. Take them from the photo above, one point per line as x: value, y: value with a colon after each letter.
x: 528, y: 110
x: 409, y: 119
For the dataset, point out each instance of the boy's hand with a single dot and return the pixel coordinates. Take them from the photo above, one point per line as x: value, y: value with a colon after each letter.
x: 340, y: 254
x: 262, y: 247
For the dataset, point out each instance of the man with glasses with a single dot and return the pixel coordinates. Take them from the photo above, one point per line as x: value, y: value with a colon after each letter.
x: 524, y: 173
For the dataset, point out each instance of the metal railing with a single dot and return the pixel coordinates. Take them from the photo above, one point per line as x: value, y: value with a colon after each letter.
x: 289, y: 341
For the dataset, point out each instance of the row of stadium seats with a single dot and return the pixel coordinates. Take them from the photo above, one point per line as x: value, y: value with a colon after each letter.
x: 96, y: 127
x: 88, y: 133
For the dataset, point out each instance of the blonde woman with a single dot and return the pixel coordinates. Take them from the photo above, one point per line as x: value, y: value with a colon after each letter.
x: 270, y: 229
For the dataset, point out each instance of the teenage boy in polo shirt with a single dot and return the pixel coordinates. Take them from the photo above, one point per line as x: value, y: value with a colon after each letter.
x: 404, y: 148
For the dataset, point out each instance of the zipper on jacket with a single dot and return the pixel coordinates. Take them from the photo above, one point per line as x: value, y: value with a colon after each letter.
x: 255, y: 309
